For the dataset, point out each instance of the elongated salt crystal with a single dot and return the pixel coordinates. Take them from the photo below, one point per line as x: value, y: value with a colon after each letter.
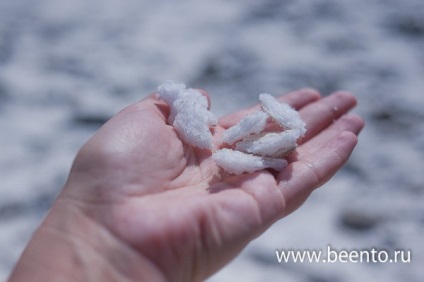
x: 270, y: 144
x: 189, y: 114
x: 170, y: 91
x: 282, y: 113
x: 236, y: 162
x: 250, y: 124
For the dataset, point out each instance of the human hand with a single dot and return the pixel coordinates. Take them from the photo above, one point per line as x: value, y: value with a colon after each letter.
x: 153, y: 208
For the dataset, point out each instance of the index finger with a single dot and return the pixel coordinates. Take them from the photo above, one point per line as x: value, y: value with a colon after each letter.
x: 296, y: 99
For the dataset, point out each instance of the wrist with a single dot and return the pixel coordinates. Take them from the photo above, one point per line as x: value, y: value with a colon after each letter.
x: 72, y: 246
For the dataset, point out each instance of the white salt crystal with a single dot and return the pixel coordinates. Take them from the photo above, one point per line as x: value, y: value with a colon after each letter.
x: 236, y: 162
x: 189, y: 113
x: 193, y: 101
x: 192, y: 123
x: 250, y: 124
x: 270, y: 144
x: 282, y: 113
x: 170, y: 91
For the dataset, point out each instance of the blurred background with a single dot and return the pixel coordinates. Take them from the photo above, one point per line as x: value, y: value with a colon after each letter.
x: 66, y: 66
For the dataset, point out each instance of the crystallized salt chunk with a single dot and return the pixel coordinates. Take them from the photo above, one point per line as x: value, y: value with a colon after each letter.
x: 282, y: 113
x: 270, y: 144
x: 236, y: 162
x: 250, y: 124
x: 189, y: 114
x: 192, y: 100
x: 170, y: 91
x: 192, y: 121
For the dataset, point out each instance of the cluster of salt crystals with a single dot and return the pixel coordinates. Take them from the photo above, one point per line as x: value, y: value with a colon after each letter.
x: 255, y: 149
x: 189, y: 113
x: 237, y: 162
x: 252, y: 148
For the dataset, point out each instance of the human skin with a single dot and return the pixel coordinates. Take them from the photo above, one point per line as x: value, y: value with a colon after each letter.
x: 141, y: 205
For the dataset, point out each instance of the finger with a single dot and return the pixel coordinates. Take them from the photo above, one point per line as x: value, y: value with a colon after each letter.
x: 349, y: 122
x: 206, y: 94
x: 300, y: 178
x: 152, y: 103
x: 296, y: 99
x: 322, y: 113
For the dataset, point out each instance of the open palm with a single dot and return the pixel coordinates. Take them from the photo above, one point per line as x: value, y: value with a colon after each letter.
x: 174, y: 208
